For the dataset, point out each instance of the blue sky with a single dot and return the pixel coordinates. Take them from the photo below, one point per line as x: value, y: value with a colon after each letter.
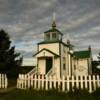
x: 26, y: 20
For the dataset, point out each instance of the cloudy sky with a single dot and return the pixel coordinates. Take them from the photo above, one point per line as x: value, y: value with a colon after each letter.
x: 26, y: 20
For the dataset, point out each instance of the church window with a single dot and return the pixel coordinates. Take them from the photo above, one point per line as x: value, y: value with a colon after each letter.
x: 47, y: 36
x: 64, y: 63
x: 54, y: 35
x: 64, y: 66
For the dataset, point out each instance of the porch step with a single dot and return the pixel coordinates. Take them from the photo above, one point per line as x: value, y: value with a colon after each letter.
x: 50, y: 73
x: 33, y: 71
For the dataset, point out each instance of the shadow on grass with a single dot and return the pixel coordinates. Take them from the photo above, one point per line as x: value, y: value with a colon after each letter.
x: 31, y: 94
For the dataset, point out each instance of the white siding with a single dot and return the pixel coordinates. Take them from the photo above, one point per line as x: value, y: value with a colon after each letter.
x: 44, y: 53
x: 81, y: 67
x: 57, y: 66
x: 64, y: 56
x: 41, y: 66
x: 54, y: 47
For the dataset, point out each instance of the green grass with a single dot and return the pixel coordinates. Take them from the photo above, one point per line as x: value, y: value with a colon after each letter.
x: 49, y: 95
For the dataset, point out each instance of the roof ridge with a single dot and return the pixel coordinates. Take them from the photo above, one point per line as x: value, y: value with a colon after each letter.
x: 46, y: 50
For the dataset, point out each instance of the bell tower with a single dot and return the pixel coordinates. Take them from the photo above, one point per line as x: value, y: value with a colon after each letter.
x: 53, y: 34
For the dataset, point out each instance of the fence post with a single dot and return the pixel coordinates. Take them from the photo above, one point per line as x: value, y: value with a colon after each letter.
x: 54, y: 82
x: 42, y: 81
x: 35, y: 81
x: 25, y: 81
x: 98, y: 81
x: 85, y: 79
x: 90, y: 84
x: 6, y: 84
x: 31, y: 81
x: 94, y: 82
x: 20, y: 81
x: 50, y: 81
x: 77, y: 81
x: 58, y: 80
x: 73, y: 82
x: 68, y: 87
x: 39, y: 81
x: 46, y: 80
x: 63, y: 83
x: 81, y: 78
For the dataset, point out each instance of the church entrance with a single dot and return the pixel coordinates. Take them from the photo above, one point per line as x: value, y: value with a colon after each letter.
x: 49, y: 64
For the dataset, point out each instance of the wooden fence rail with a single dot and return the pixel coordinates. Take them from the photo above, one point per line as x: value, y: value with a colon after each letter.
x: 68, y: 83
x: 3, y: 81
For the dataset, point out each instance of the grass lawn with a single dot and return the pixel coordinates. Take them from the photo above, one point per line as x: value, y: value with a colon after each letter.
x: 17, y: 94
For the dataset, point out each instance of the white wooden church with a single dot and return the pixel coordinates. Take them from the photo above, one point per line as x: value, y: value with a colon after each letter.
x: 56, y: 58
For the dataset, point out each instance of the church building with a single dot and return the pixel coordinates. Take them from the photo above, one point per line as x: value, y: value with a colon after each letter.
x: 57, y: 58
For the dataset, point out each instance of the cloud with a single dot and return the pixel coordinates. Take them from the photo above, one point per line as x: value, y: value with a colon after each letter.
x: 26, y: 20
x: 83, y: 19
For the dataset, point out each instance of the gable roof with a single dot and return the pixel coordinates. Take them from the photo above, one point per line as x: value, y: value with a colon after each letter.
x: 53, y: 30
x: 82, y: 54
x: 56, y: 55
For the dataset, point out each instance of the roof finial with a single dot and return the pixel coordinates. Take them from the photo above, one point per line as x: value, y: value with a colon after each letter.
x: 54, y: 18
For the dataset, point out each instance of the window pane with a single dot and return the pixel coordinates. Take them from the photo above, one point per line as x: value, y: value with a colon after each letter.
x: 47, y: 36
x: 54, y: 35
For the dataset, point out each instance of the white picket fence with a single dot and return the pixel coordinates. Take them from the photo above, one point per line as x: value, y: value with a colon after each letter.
x: 65, y: 84
x: 3, y: 81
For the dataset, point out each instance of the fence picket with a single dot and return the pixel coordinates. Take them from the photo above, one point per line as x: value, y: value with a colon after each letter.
x: 88, y: 82
x: 81, y: 78
x: 50, y: 81
x: 85, y: 79
x: 46, y: 85
x: 6, y: 81
x: 54, y: 82
x: 98, y: 81
x: 77, y: 81
x: 67, y: 83
x: 42, y: 81
x: 35, y: 81
x: 39, y: 81
x: 94, y: 82
x: 72, y: 82
x: 63, y: 83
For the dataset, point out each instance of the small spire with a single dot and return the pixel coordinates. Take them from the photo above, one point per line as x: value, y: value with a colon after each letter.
x: 54, y: 23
